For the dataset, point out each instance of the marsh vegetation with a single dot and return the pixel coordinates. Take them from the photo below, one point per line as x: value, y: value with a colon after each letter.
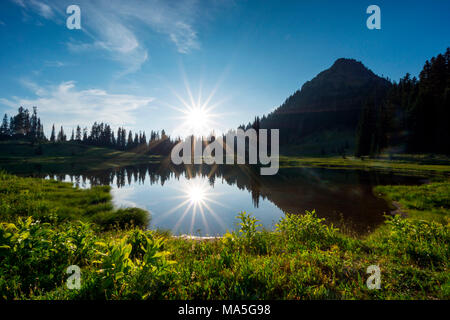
x: 303, y: 258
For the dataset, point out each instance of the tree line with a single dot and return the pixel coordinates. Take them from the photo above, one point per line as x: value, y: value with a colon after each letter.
x: 415, y: 115
x: 23, y: 125
x: 26, y: 126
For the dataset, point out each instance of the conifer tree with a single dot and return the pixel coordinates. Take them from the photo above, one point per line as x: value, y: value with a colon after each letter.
x: 52, y: 136
x: 130, y: 140
x: 4, y: 129
x: 78, y: 134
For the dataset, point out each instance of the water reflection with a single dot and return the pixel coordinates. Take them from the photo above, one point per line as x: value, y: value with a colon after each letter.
x: 205, y: 199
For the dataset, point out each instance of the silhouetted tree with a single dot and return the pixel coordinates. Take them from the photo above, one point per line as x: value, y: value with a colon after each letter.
x: 78, y: 134
x: 52, y: 136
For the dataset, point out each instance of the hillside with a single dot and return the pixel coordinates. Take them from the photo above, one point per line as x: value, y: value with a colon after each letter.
x: 333, y: 100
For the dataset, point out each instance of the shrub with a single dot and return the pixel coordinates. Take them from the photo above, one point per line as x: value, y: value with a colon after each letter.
x: 129, y: 268
x: 419, y: 241
x: 140, y: 241
x: 34, y: 255
x: 307, y: 230
x: 123, y: 218
x: 249, y: 236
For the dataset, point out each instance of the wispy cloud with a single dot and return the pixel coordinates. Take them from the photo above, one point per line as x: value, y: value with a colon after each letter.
x: 114, y: 25
x: 184, y: 37
x: 19, y: 3
x: 40, y: 7
x: 54, y: 64
x: 66, y: 104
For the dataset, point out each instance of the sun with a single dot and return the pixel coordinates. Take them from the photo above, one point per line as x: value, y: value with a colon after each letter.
x: 197, y: 120
x: 195, y: 115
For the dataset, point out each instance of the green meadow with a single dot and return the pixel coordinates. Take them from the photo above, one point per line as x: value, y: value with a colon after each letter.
x: 24, y: 156
x: 48, y: 226
x: 413, y: 164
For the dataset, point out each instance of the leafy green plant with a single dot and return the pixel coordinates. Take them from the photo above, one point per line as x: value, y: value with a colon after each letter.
x: 422, y: 242
x: 34, y: 255
x: 307, y: 230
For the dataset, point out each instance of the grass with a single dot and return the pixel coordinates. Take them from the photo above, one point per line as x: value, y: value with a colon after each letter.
x: 53, y: 201
x: 413, y: 164
x: 429, y: 201
x: 24, y: 156
x: 304, y: 258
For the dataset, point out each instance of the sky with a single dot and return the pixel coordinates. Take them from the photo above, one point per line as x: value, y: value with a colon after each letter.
x: 142, y: 64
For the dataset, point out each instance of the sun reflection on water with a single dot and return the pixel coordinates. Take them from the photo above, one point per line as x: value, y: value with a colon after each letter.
x: 197, y: 201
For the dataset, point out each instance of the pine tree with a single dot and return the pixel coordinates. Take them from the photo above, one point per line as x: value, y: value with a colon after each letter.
x: 144, y: 139
x: 33, y: 125
x: 85, y: 136
x: 41, y: 134
x: 78, y: 134
x: 130, y: 140
x: 52, y: 136
x: 61, y: 135
x: 136, y: 140
x: 4, y: 129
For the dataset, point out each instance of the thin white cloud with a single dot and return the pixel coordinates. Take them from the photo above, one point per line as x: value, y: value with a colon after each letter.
x: 54, y: 64
x: 42, y: 8
x: 184, y: 37
x: 19, y: 3
x: 113, y: 25
x: 65, y: 104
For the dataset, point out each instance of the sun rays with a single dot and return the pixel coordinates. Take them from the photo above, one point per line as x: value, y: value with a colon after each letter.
x: 198, y: 115
x: 196, y: 201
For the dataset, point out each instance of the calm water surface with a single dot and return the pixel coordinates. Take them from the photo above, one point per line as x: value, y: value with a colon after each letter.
x: 205, y: 200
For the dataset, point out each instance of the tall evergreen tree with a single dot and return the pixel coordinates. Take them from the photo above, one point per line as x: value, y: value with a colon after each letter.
x: 78, y: 134
x: 130, y: 140
x: 4, y: 129
x: 33, y: 125
x: 61, y: 135
x: 136, y: 140
x: 53, y: 136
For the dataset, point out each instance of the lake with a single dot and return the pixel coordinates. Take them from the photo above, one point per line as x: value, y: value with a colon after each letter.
x: 204, y: 200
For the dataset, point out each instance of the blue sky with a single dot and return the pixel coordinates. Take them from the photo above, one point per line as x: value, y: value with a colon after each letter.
x: 132, y: 61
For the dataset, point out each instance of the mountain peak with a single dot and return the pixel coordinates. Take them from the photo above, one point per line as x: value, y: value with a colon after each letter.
x: 332, y: 100
x: 344, y: 72
x: 346, y: 62
x: 351, y: 66
x: 343, y: 86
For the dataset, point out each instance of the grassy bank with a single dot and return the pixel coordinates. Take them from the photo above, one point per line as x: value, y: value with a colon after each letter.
x: 429, y: 201
x: 302, y: 259
x: 56, y: 202
x: 414, y: 164
x: 24, y: 156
